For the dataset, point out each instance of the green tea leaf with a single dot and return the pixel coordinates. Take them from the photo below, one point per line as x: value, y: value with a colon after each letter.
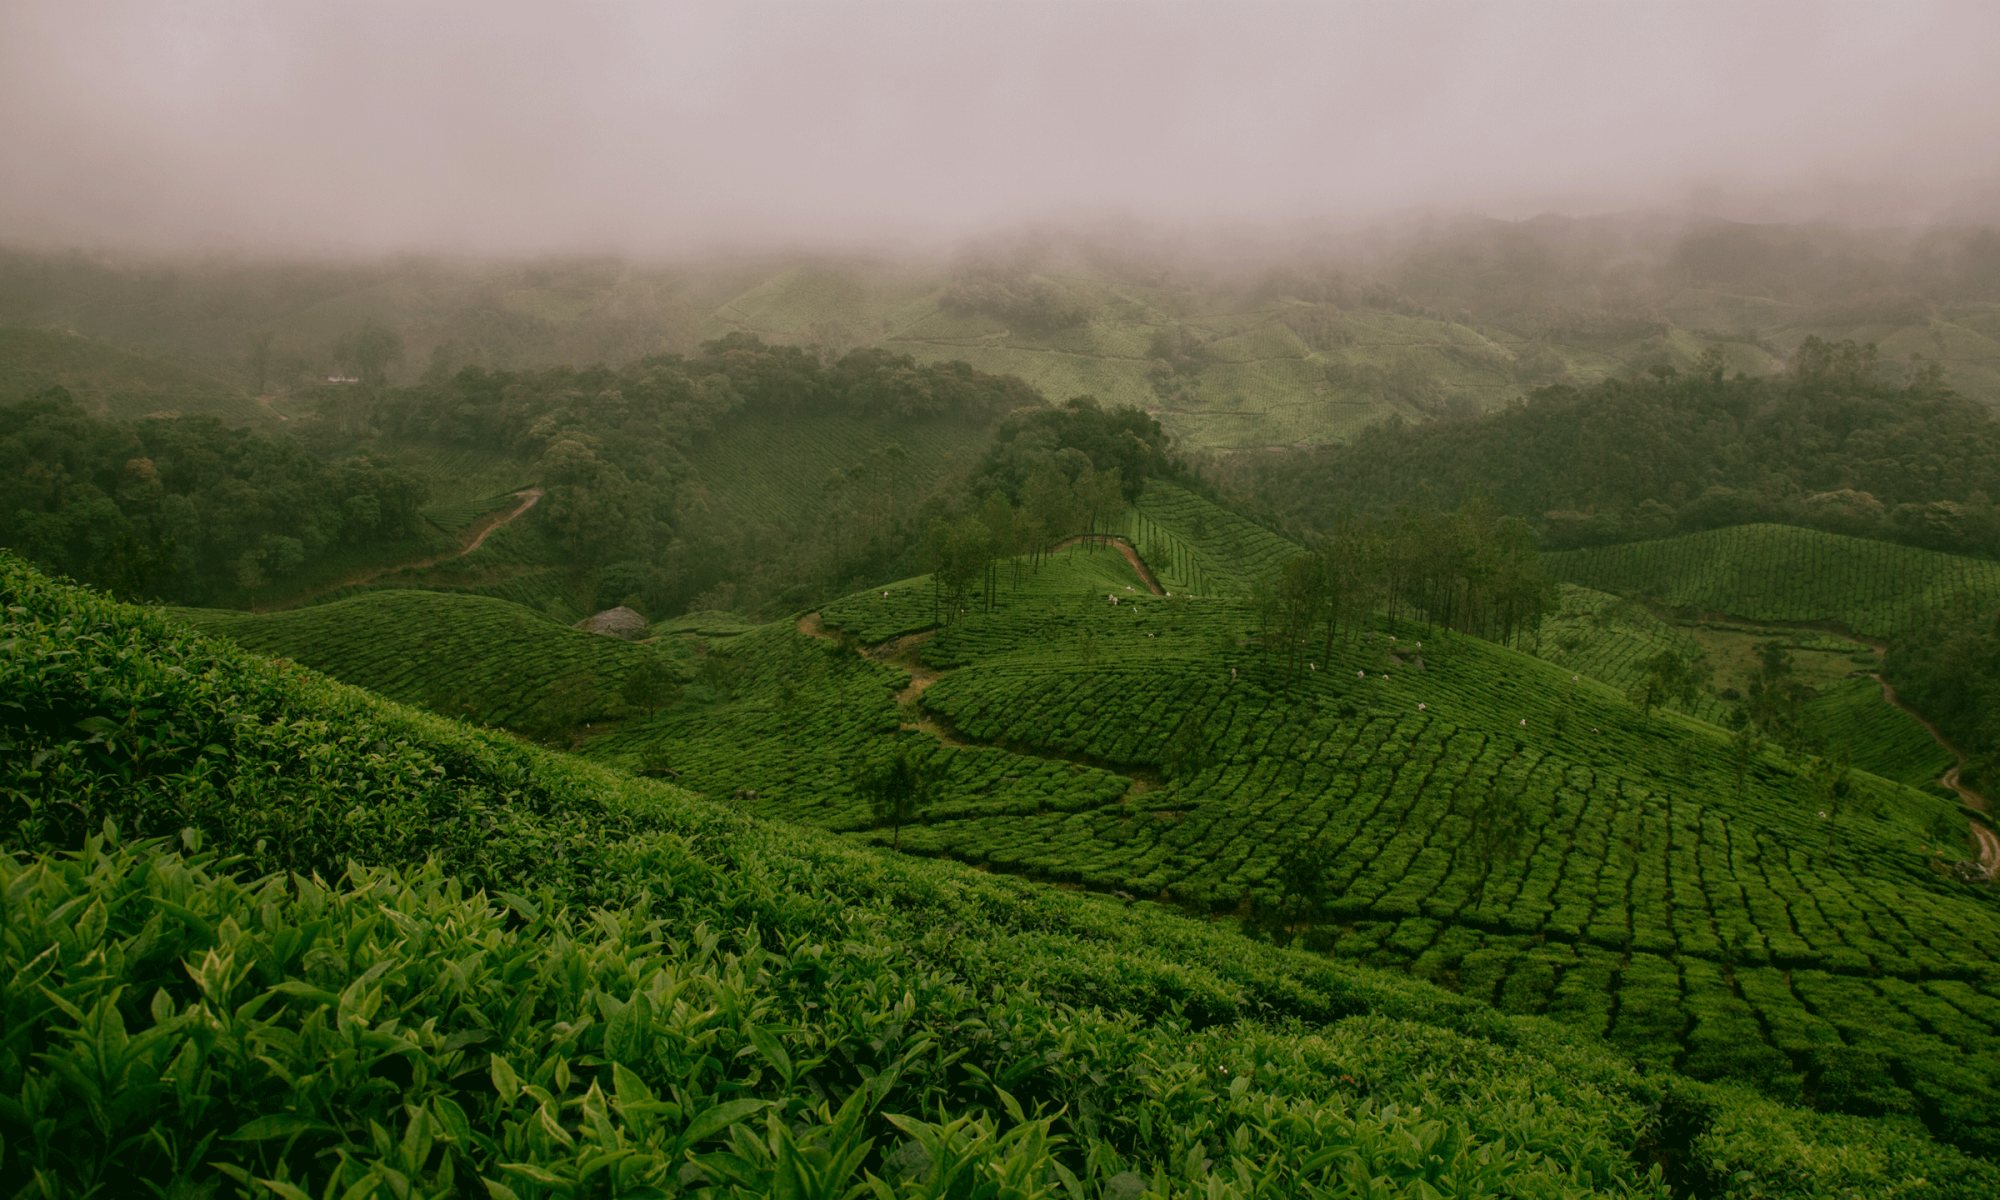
x: 504, y: 1080
x: 277, y: 1125
x: 707, y: 1124
x: 772, y: 1049
x: 626, y: 1033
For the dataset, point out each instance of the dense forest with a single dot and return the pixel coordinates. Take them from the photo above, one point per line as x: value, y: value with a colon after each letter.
x: 184, y: 507
x: 189, y: 511
x: 1824, y: 445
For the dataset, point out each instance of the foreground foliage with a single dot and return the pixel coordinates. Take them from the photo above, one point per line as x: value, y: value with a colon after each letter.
x: 734, y: 1010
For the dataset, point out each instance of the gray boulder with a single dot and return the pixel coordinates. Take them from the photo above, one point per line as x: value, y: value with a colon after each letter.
x: 618, y: 622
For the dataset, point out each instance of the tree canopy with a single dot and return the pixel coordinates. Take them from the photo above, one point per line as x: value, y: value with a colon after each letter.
x: 1824, y: 446
x: 183, y: 508
x: 1078, y: 435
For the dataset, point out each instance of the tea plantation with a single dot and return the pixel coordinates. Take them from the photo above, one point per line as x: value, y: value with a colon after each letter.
x: 369, y: 952
x: 1700, y: 921
x: 483, y: 659
x: 1783, y: 573
x: 1192, y: 545
x: 1607, y: 638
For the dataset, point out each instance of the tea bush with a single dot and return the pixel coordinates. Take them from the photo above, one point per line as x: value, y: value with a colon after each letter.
x: 1784, y: 573
x: 648, y: 995
x: 483, y: 659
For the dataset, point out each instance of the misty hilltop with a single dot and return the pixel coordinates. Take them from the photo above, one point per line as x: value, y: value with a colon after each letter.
x: 1231, y: 349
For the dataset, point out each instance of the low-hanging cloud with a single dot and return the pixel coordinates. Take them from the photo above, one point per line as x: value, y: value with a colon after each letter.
x: 645, y: 128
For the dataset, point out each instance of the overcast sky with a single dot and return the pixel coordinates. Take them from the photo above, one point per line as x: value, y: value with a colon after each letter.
x: 655, y: 127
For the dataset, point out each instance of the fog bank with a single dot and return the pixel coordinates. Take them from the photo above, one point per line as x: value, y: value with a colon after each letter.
x: 649, y: 129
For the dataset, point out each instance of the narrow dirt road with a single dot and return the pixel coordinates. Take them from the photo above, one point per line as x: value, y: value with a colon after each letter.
x: 1989, y: 842
x: 901, y: 652
x: 529, y: 499
x: 1124, y: 547
x: 481, y: 530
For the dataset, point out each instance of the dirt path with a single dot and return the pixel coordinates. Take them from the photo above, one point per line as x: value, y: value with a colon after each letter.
x: 1124, y: 547
x: 529, y: 499
x: 481, y: 530
x: 1989, y: 842
x: 896, y: 652
x: 902, y: 652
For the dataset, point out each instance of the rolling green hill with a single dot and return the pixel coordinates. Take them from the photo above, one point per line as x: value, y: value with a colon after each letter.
x: 118, y: 384
x: 1232, y: 349
x: 1782, y: 573
x: 1700, y: 921
x: 482, y: 659
x: 493, y: 962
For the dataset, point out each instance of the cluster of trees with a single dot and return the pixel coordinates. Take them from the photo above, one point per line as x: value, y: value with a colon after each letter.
x: 1473, y: 570
x: 190, y: 511
x: 612, y: 448
x: 1826, y: 445
x: 1076, y: 435
x: 966, y: 550
x: 184, y: 509
x: 1050, y: 474
x: 669, y: 399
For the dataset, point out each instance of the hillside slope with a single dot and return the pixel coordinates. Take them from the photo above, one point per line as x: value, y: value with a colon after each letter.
x: 809, y: 1006
x: 1123, y: 1057
x: 1236, y: 352
x: 478, y: 658
x: 1783, y: 573
x: 117, y: 384
x: 1472, y: 815
x: 768, y: 470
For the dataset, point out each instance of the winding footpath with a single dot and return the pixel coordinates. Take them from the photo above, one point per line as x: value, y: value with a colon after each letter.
x: 1123, y: 547
x: 1989, y: 842
x: 482, y: 529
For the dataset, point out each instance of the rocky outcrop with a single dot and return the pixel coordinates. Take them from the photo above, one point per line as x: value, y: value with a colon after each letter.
x: 618, y: 622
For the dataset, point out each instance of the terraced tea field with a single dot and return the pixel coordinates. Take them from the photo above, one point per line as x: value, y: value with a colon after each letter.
x: 483, y: 659
x: 1781, y: 573
x: 1605, y: 637
x: 1194, y: 546
x: 1881, y: 737
x: 1144, y: 747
